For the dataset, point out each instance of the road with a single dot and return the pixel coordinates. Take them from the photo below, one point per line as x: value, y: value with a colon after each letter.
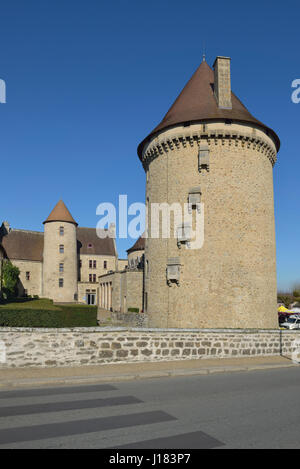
x: 235, y: 410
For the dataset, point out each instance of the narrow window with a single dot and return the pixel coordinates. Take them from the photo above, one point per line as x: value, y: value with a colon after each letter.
x: 61, y: 230
x: 61, y: 267
x: 105, y: 264
x: 94, y: 264
x: 61, y: 283
x: 94, y: 278
x: 90, y: 264
x: 27, y: 275
x: 90, y: 278
x: 61, y: 248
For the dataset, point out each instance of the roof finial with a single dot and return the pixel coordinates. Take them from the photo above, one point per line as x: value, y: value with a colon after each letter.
x: 204, y: 56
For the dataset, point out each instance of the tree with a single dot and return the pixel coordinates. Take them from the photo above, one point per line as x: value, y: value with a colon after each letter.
x: 10, y: 278
x: 296, y: 290
x: 285, y: 298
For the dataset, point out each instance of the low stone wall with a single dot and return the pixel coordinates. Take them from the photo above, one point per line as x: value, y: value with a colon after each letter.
x: 117, y: 319
x: 129, y: 319
x: 92, y: 346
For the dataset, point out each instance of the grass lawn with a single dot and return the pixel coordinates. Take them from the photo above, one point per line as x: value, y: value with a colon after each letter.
x: 20, y: 305
x: 43, y: 313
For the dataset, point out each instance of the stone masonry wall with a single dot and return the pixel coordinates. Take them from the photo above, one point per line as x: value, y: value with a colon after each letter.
x: 95, y: 346
x: 53, y: 258
x: 128, y: 319
x: 34, y: 284
x: 230, y: 282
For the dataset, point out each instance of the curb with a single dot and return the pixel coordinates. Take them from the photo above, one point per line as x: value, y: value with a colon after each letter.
x: 23, y: 383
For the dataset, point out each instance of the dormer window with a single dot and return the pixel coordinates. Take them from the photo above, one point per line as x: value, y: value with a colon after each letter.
x: 194, y: 199
x: 203, y: 157
x: 173, y: 270
x: 184, y: 234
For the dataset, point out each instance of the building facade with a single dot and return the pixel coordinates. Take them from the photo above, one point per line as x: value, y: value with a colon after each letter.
x: 122, y: 290
x: 211, y: 154
x: 62, y: 263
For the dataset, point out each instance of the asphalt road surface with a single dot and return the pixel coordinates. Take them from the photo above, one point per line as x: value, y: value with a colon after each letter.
x: 240, y: 410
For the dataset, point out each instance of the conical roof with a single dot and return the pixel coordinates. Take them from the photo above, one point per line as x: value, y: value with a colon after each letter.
x: 197, y: 102
x: 139, y: 245
x: 60, y: 213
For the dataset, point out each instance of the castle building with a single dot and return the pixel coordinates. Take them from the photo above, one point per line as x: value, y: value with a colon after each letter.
x: 211, y: 158
x: 62, y: 263
x: 210, y: 153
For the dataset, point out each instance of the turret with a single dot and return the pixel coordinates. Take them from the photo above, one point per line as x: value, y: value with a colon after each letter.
x: 212, y: 157
x: 60, y: 256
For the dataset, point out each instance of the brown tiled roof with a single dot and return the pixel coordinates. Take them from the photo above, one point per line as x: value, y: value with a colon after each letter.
x: 60, y: 213
x: 89, y: 243
x: 197, y: 102
x: 139, y: 245
x: 29, y: 245
x: 24, y: 245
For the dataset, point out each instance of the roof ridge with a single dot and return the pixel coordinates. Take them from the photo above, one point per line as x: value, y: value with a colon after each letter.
x: 26, y: 231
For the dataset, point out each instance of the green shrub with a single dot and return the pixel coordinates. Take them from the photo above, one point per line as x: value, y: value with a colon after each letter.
x: 10, y: 278
x: 133, y: 310
x: 285, y: 298
x: 66, y: 317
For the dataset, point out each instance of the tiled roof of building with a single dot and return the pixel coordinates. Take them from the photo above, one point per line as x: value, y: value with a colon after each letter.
x: 24, y: 245
x: 139, y: 245
x: 60, y: 213
x: 89, y: 243
x: 29, y: 245
x: 197, y: 102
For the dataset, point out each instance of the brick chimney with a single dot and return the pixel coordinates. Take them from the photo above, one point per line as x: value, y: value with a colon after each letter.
x: 223, y: 82
x: 4, y: 230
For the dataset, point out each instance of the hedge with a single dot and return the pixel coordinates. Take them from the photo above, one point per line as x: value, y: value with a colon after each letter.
x: 66, y: 317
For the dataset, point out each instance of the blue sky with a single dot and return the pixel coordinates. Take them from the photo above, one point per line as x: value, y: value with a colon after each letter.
x: 87, y: 81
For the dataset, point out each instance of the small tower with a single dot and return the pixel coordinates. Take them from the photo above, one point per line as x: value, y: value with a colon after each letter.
x: 210, y: 153
x: 60, y: 275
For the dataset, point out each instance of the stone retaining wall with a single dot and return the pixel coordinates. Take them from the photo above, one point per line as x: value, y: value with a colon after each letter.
x: 92, y: 346
x: 129, y: 319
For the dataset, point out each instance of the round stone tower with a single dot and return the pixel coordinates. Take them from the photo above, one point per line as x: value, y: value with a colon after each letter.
x: 213, y: 159
x: 60, y: 274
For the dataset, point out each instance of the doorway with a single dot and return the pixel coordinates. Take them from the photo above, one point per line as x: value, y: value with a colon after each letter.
x: 91, y: 299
